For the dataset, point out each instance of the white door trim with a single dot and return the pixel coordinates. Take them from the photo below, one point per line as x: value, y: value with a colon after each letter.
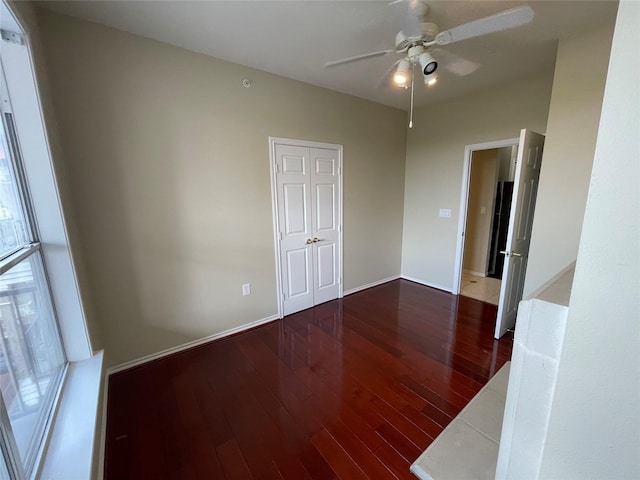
x: 464, y: 193
x: 273, y: 141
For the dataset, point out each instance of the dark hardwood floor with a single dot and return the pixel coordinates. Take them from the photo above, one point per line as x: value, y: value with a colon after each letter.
x: 354, y: 388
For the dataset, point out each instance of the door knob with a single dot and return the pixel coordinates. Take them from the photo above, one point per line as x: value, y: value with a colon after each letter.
x: 316, y: 239
x: 309, y: 241
x: 514, y: 254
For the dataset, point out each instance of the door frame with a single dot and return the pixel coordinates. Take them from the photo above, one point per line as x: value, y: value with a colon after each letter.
x: 273, y: 141
x: 464, y: 200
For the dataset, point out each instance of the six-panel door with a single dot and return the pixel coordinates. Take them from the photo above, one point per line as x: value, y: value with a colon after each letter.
x: 520, y: 225
x: 307, y: 182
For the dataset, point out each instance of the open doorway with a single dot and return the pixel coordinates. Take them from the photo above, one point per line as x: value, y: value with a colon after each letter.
x: 484, y: 214
x: 487, y: 219
x: 526, y: 175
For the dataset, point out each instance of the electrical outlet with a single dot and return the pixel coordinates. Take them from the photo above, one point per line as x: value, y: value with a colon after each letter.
x: 246, y: 289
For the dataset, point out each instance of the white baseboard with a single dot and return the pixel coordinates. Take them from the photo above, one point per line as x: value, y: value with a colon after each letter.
x: 155, y: 356
x: 477, y: 274
x: 546, y: 284
x: 369, y: 285
x: 426, y: 284
x: 186, y: 346
x: 226, y: 333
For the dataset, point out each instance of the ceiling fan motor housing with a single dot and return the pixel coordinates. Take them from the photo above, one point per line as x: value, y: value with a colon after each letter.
x: 429, y: 30
x: 414, y: 51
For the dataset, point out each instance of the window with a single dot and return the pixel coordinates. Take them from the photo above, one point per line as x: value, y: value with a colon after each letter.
x: 43, y: 333
x: 32, y: 361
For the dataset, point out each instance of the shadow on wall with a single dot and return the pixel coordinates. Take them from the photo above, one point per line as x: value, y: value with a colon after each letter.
x: 168, y: 162
x: 166, y: 255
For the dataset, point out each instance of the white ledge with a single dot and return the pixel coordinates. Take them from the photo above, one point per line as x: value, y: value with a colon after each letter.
x: 69, y: 452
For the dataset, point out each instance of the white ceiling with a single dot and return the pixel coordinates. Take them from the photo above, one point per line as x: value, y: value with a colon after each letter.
x: 295, y: 38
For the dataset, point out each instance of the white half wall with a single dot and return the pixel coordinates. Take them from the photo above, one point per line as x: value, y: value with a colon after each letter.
x: 532, y: 379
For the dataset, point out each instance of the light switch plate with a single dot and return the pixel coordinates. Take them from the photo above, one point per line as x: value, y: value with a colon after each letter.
x: 445, y: 213
x: 246, y: 289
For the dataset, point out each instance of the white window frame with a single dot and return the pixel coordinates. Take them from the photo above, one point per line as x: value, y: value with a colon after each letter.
x: 76, y: 405
x: 22, y: 89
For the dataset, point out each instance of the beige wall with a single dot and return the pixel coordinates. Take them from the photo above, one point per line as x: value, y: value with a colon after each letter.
x: 435, y: 151
x: 482, y: 188
x: 594, y: 426
x: 507, y: 158
x: 578, y: 86
x: 168, y: 165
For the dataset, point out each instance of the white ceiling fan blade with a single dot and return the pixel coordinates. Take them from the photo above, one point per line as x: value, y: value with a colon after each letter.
x: 454, y: 63
x: 357, y: 58
x: 505, y: 20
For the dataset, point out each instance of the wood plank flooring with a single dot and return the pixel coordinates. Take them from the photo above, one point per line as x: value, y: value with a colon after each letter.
x: 352, y: 389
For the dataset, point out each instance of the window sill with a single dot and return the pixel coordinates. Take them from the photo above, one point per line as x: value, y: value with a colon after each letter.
x: 69, y: 452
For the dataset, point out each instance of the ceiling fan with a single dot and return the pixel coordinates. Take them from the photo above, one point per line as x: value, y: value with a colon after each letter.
x: 419, y: 43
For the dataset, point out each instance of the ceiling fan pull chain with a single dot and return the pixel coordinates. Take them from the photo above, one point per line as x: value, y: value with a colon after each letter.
x: 413, y: 72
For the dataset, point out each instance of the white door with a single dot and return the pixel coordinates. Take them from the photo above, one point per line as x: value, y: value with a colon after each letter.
x: 307, y: 183
x: 325, y: 220
x: 294, y: 220
x: 516, y: 251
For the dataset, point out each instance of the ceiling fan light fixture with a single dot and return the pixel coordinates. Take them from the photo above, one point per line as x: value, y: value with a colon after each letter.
x: 401, y: 76
x: 427, y: 63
